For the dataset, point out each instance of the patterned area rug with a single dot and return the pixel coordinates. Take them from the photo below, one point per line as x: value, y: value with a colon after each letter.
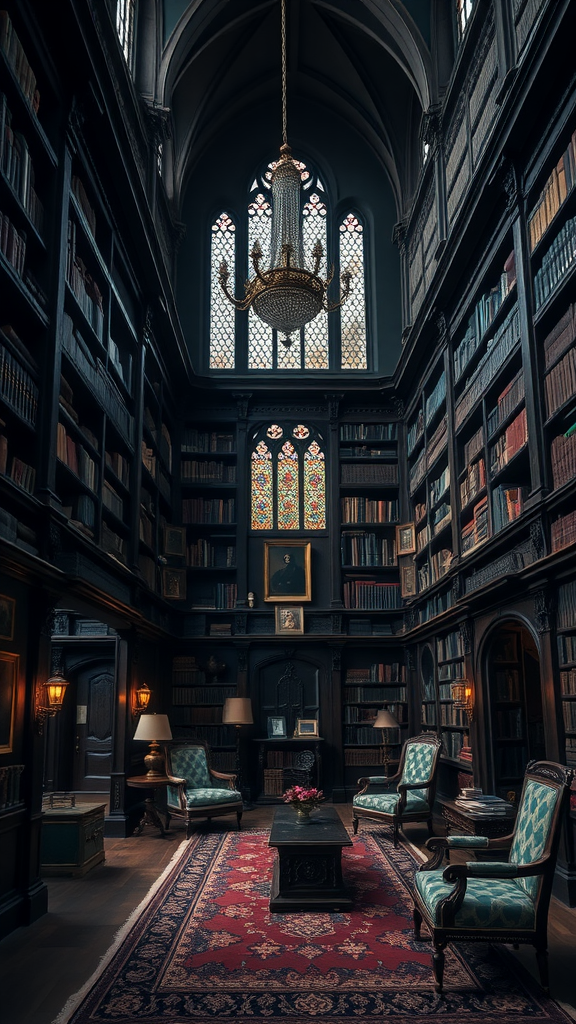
x: 204, y: 946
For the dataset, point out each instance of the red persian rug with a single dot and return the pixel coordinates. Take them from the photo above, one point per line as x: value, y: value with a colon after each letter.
x: 204, y: 946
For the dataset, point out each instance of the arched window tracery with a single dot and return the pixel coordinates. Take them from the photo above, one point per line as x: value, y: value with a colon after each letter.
x: 287, y: 479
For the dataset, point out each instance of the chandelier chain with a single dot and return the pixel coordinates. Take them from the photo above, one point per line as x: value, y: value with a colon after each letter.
x: 284, y: 88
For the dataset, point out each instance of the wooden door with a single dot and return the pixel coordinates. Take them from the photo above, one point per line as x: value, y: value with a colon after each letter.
x: 94, y: 726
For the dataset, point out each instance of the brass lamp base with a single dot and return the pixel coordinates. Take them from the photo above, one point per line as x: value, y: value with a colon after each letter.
x: 154, y: 761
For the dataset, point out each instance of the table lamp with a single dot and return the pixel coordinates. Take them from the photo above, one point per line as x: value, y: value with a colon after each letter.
x: 385, y: 720
x: 154, y: 729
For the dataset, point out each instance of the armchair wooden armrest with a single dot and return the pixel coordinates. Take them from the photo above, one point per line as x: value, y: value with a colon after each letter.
x: 376, y: 780
x: 441, y: 845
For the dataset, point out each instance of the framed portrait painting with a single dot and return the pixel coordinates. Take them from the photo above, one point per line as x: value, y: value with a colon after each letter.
x: 289, y: 619
x: 8, y: 677
x: 405, y: 539
x: 287, y: 570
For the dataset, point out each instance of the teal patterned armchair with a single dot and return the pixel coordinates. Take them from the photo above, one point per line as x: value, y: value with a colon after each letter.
x: 414, y: 788
x: 198, y: 791
x: 497, y: 901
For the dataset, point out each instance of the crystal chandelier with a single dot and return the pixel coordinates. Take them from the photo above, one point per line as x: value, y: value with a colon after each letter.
x: 288, y: 295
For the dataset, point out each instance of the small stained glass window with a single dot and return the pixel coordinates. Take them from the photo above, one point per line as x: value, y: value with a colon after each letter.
x: 314, y: 488
x: 222, y: 313
x: 300, y: 432
x: 288, y: 480
x: 353, y: 312
x: 274, y: 431
x: 262, y: 504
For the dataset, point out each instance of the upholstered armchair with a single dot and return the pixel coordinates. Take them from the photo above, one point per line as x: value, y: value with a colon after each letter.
x: 414, y: 788
x: 198, y: 791
x: 491, y: 901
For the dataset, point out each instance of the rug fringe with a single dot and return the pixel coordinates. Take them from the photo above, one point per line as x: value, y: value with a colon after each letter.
x: 74, y: 1001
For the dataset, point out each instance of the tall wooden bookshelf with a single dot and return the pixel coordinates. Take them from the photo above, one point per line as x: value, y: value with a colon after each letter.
x: 566, y: 641
x: 369, y: 686
x: 199, y: 689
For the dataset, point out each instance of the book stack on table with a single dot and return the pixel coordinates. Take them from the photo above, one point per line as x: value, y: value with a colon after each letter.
x: 480, y: 805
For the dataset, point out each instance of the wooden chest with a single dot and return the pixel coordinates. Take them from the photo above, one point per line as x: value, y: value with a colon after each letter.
x: 72, y: 839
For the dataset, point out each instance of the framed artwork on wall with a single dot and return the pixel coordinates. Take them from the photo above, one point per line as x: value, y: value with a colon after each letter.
x: 175, y: 541
x: 407, y: 578
x: 277, y: 727
x: 7, y: 610
x: 8, y: 677
x: 289, y: 619
x: 287, y: 570
x: 174, y: 584
x: 405, y: 539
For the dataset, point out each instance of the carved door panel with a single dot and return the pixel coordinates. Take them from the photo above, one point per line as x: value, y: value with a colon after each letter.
x: 289, y: 687
x: 94, y: 726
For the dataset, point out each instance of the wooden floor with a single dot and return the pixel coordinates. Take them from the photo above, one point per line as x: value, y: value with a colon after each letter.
x: 44, y: 964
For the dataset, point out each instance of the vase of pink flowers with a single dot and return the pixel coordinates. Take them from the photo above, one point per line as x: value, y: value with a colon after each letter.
x: 304, y: 800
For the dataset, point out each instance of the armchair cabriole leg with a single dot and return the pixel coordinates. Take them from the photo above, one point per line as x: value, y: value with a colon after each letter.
x: 430, y: 828
x: 355, y: 824
x: 417, y: 923
x: 438, y: 960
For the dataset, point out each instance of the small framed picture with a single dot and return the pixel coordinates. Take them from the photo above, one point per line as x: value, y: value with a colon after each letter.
x: 407, y: 578
x: 174, y: 584
x: 175, y: 541
x: 277, y: 728
x: 306, y: 726
x: 287, y: 570
x: 7, y: 608
x: 289, y: 618
x: 405, y: 539
x: 8, y: 676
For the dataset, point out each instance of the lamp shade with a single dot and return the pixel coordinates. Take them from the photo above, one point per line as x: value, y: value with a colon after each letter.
x: 385, y: 720
x: 153, y: 727
x: 237, y: 711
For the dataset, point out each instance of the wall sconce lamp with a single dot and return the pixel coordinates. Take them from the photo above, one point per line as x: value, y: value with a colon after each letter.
x: 385, y: 720
x: 141, y: 699
x: 55, y: 688
x: 463, y: 696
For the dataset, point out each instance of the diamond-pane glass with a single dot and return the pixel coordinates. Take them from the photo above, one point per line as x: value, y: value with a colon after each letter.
x: 315, y: 333
x: 353, y: 312
x: 288, y: 488
x: 222, y: 312
x: 261, y: 504
x: 259, y: 333
x: 289, y: 358
x: 314, y: 488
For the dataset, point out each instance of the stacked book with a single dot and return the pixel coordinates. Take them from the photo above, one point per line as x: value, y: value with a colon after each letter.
x: 478, y: 805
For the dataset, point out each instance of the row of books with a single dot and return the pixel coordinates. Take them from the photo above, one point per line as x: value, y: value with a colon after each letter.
x: 17, y: 389
x: 423, y: 538
x: 281, y: 759
x: 16, y: 58
x: 475, y: 531
x: 556, y: 261
x: 504, y: 340
x: 441, y: 516
x: 148, y: 458
x: 415, y: 431
x: 560, y: 337
x: 370, y: 694
x: 12, y: 244
x: 556, y: 188
x: 84, y: 203
x: 356, y: 715
x: 112, y: 543
x: 206, y: 441
x: 82, y: 513
x: 367, y: 756
x: 374, y: 473
x: 445, y: 689
x: 473, y: 446
x: 568, y: 682
x: 510, y: 442
x: 473, y: 482
x: 439, y: 486
x: 22, y: 474
x: 371, y: 594
x: 450, y: 646
x: 563, y: 459
x: 507, y: 685
x: 452, y: 744
x: 435, y: 398
x: 367, y: 549
x: 202, y: 553
x: 119, y: 465
x: 560, y: 382
x: 16, y: 164
x: 112, y: 500
x: 507, y: 505
x: 358, y: 734
x: 214, y: 735
x: 368, y: 510
x: 483, y: 315
x: 563, y: 531
x: 437, y: 443
x: 368, y: 431
x: 208, y: 472
x: 428, y: 714
x: 208, y: 510
x: 75, y: 456
x: 122, y: 363
x: 506, y: 402
x: 432, y: 571
x: 567, y: 605
x: 378, y: 672
x: 197, y: 695
x: 222, y: 595
x: 98, y: 380
x: 567, y: 647
x: 449, y: 669
x: 417, y: 472
x: 364, y: 451
x: 83, y: 285
x: 569, y: 714
x: 451, y: 715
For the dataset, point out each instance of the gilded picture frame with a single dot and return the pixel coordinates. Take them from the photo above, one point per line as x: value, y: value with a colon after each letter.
x: 405, y: 539
x: 287, y: 570
x: 306, y: 727
x: 289, y: 619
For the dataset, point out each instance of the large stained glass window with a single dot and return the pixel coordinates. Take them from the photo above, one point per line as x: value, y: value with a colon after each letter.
x: 288, y: 479
x: 353, y: 312
x: 222, y: 312
x: 260, y: 341
x: 316, y: 355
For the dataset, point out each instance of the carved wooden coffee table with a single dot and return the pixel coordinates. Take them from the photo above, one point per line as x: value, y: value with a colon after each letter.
x: 308, y: 869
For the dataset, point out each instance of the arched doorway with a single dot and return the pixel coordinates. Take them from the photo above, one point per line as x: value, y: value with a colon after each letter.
x: 515, y: 716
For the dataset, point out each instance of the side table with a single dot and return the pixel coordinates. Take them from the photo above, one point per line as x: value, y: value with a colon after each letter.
x: 151, y: 814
